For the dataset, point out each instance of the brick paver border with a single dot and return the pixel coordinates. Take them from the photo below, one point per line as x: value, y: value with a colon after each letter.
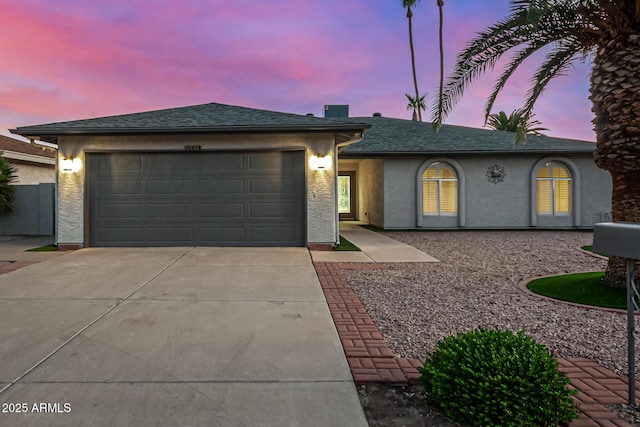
x: 371, y: 360
x: 13, y: 266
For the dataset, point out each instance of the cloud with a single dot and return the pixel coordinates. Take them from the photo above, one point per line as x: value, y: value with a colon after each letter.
x: 90, y: 59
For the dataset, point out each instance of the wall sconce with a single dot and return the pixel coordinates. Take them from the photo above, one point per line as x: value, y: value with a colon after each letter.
x: 70, y: 165
x: 320, y: 162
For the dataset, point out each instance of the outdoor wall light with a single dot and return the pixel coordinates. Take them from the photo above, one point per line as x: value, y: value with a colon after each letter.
x: 70, y: 165
x: 320, y: 162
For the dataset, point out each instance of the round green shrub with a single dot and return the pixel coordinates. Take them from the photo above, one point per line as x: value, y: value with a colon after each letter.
x: 497, y: 378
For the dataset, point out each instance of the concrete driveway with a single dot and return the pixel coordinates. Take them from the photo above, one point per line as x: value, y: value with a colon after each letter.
x: 172, y: 336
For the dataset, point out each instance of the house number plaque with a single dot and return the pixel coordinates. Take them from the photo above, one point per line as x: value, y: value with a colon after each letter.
x: 191, y: 148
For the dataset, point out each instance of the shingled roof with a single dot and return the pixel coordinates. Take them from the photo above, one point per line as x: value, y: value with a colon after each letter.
x: 13, y: 145
x: 211, y: 117
x: 389, y: 136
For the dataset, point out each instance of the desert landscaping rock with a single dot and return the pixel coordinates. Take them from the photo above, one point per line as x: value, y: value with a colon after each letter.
x: 476, y: 284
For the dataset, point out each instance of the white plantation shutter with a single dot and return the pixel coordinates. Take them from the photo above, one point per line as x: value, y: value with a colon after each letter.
x: 439, y: 190
x: 563, y: 196
x: 553, y: 189
x: 545, y: 197
x: 449, y: 197
x: 430, y: 197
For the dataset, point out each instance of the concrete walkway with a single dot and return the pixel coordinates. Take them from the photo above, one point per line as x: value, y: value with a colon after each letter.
x: 172, y: 336
x: 374, y: 246
x: 16, y: 250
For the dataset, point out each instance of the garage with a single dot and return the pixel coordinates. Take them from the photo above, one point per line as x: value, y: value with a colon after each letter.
x: 196, y: 199
x: 201, y: 175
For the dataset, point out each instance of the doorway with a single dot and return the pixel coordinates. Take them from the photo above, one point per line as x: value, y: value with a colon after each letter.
x: 346, y: 195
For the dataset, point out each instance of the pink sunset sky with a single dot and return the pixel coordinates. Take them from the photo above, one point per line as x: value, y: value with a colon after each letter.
x: 74, y: 59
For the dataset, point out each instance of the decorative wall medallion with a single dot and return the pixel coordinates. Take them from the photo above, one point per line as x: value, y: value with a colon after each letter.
x: 495, y: 173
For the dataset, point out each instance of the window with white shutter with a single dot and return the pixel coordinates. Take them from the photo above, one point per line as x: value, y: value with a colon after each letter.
x: 440, y: 190
x: 553, y: 189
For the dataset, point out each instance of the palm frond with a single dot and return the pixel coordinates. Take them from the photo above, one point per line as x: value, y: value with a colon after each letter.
x: 518, y: 122
x: 511, y: 67
x: 555, y: 64
x: 480, y: 55
x: 532, y: 24
x: 409, y: 3
x: 546, y: 33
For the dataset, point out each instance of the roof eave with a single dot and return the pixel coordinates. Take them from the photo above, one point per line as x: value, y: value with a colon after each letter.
x: 52, y: 133
x: 452, y: 152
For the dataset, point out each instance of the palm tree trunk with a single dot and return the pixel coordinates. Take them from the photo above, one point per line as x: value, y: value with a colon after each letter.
x: 413, y: 58
x: 625, y: 207
x: 441, y: 43
x: 616, y: 70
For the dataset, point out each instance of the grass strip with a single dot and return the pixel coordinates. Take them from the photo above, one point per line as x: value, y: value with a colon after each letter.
x: 46, y: 248
x: 590, y: 249
x: 372, y: 227
x: 581, y: 288
x: 346, y: 245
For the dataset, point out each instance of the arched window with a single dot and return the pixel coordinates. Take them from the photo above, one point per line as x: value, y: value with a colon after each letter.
x: 553, y: 189
x: 440, y: 190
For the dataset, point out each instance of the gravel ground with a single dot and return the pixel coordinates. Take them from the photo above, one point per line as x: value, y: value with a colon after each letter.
x: 476, y: 284
x: 415, y: 305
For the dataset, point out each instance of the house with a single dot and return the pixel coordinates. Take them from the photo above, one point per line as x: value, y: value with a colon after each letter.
x: 209, y: 174
x: 403, y: 175
x: 223, y: 175
x: 34, y: 164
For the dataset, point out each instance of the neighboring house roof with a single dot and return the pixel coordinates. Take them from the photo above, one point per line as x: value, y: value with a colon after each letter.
x: 401, y: 137
x: 211, y: 117
x: 14, y: 149
x: 10, y: 144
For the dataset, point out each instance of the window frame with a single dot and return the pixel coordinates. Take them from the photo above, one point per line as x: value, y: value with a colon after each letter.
x: 554, y: 192
x: 575, y: 217
x: 439, y: 181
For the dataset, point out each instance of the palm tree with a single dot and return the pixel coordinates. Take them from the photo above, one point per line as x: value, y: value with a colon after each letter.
x: 605, y: 31
x: 408, y: 4
x: 438, y: 107
x: 416, y: 105
x: 7, y: 191
x: 515, y: 122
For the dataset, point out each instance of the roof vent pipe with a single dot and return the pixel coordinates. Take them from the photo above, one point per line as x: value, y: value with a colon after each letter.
x: 377, y: 114
x: 310, y: 115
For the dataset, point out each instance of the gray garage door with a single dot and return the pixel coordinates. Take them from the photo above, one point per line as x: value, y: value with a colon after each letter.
x: 206, y: 198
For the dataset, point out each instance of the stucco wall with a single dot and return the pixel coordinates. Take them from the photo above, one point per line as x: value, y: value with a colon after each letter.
x: 483, y: 204
x: 30, y: 174
x: 371, y: 183
x: 321, y: 204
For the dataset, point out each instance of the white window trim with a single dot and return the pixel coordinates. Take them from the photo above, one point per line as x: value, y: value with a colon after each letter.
x: 461, y: 191
x: 576, y: 201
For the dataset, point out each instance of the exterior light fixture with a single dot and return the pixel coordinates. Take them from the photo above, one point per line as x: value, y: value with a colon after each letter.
x: 70, y: 165
x: 320, y: 162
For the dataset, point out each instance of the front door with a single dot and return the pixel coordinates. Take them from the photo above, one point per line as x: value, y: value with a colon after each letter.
x: 346, y: 195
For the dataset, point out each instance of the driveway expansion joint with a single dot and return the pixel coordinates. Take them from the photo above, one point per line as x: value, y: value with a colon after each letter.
x: 371, y: 360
